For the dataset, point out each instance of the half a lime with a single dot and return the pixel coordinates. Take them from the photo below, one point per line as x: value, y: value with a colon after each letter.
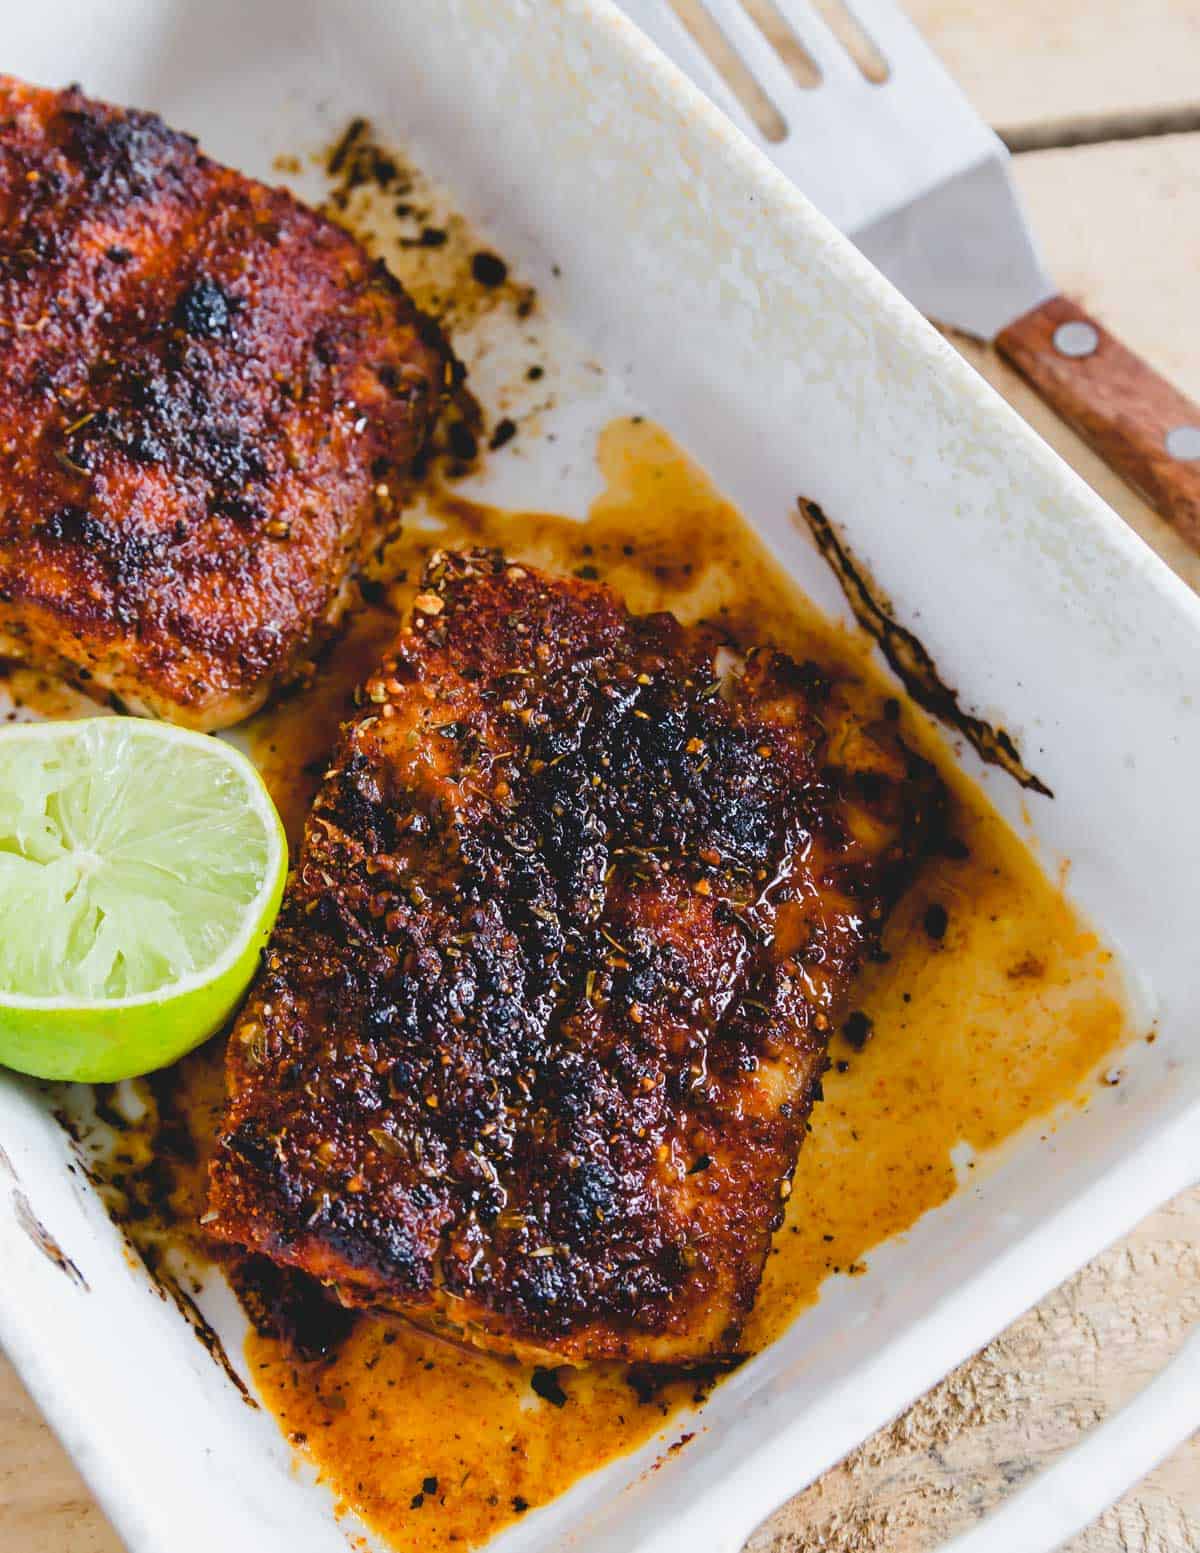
x: 141, y: 868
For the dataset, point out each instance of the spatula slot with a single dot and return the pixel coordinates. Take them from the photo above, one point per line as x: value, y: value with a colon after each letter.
x: 784, y: 39
x: 731, y: 67
x: 854, y: 38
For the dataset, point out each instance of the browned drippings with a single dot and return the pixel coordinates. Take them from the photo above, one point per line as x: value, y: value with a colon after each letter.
x: 452, y: 273
x: 400, y: 216
x: 996, y: 1006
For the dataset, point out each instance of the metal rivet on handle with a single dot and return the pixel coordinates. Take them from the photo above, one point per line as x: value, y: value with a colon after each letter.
x: 1075, y: 338
x: 1183, y: 443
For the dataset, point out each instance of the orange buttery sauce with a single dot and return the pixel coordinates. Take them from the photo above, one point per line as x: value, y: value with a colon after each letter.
x: 1004, y: 1018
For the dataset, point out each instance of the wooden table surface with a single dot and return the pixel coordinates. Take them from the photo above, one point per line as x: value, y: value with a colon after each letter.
x: 1107, y: 96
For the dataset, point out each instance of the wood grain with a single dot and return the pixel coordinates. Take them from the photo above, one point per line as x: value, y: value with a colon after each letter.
x: 1117, y: 403
x: 1074, y: 68
x: 1090, y: 63
x: 1013, y: 1408
x: 1119, y: 226
x: 45, y: 1506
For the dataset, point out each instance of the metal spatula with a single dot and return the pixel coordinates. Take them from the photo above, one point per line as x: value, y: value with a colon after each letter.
x: 883, y: 142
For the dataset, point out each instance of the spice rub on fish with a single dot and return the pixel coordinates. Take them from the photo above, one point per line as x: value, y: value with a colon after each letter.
x: 533, y: 1047
x: 210, y: 398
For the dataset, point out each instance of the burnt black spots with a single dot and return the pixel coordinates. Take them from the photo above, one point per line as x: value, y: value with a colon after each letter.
x: 428, y: 237
x: 858, y: 1029
x: 546, y: 1385
x: 205, y: 310
x: 489, y: 269
x: 340, y: 152
x: 610, y: 866
x: 935, y: 921
x: 463, y: 442
x: 503, y: 434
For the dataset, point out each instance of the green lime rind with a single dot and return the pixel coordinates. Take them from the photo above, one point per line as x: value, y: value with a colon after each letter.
x: 179, y: 862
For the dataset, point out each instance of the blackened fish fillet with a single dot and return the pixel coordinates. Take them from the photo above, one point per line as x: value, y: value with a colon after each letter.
x: 209, y: 402
x: 533, y: 1048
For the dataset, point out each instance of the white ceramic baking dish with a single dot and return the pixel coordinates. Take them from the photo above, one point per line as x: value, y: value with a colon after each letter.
x: 713, y: 295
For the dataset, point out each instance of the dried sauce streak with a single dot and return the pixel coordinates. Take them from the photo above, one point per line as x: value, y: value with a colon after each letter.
x: 1007, y: 1016
x: 908, y: 657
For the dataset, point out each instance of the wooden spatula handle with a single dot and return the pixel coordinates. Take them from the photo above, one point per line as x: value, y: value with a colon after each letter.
x: 1145, y: 430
